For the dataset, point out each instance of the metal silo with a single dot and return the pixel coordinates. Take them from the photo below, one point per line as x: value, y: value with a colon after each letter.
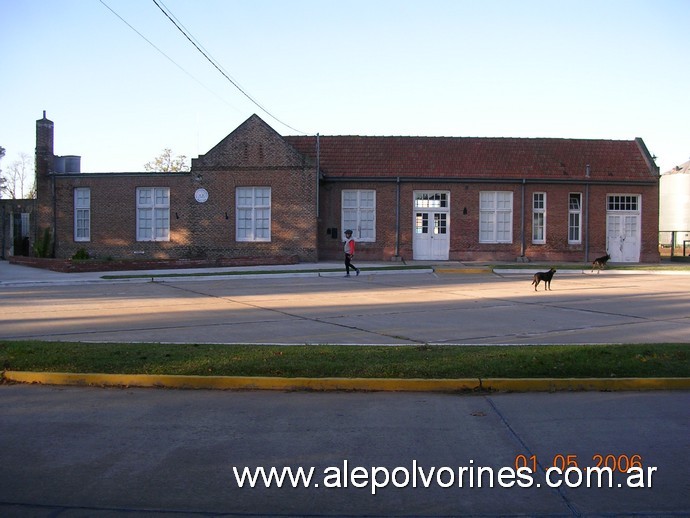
x: 674, y: 204
x: 72, y: 164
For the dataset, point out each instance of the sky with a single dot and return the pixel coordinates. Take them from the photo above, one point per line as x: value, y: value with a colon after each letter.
x: 121, y: 82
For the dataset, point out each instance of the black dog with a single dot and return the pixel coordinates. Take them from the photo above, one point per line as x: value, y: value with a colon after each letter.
x: 600, y: 262
x: 543, y: 276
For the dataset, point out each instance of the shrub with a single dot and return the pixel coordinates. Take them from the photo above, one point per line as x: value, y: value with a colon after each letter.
x: 43, y: 246
x: 81, y: 255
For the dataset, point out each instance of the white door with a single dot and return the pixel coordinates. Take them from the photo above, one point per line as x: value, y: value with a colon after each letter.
x: 623, y: 237
x: 431, y: 236
x: 431, y: 233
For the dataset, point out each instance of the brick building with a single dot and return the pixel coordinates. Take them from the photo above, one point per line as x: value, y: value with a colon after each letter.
x: 258, y: 194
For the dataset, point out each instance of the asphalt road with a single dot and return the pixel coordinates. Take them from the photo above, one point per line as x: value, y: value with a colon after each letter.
x: 369, y: 309
x: 76, y: 452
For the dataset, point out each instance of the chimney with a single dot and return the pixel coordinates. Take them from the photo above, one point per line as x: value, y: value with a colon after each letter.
x: 44, y: 145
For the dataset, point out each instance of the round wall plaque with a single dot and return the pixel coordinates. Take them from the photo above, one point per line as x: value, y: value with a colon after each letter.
x: 201, y: 195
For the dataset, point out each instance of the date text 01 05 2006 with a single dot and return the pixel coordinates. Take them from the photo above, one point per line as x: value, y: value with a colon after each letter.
x: 621, y: 463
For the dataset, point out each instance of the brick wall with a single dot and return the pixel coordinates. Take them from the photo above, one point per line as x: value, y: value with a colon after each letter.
x: 464, y: 221
x: 197, y: 230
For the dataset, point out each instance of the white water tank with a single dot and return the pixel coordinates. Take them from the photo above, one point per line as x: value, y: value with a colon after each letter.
x: 674, y: 203
x: 72, y: 164
x: 67, y: 164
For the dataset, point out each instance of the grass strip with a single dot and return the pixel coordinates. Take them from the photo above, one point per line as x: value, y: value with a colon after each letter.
x: 320, y: 361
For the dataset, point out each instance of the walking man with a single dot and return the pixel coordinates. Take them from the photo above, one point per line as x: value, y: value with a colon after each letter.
x: 349, y: 252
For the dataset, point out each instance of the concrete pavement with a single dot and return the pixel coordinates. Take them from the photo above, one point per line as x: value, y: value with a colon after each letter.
x: 12, y: 275
x: 76, y: 452
x: 17, y: 275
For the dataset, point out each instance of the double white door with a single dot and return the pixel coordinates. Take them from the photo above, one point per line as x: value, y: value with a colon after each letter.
x: 431, y: 237
x: 623, y: 237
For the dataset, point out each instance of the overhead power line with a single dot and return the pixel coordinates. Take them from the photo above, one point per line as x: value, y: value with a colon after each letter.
x: 198, y: 47
x: 165, y: 55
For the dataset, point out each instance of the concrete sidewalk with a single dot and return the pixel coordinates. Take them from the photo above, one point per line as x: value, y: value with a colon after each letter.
x: 18, y: 275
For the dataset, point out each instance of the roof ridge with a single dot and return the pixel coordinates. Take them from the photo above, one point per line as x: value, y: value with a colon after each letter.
x: 450, y: 137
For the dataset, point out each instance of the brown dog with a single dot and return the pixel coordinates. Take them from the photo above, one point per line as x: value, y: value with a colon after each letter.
x: 600, y: 262
x: 543, y: 276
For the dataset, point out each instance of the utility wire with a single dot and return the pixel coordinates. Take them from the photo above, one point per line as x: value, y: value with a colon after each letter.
x: 219, y: 68
x: 187, y: 31
x: 166, y: 56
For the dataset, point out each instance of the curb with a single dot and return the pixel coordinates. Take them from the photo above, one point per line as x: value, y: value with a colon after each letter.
x: 348, y: 384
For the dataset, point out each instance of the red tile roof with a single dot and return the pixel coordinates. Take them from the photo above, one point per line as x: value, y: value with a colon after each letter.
x: 474, y: 157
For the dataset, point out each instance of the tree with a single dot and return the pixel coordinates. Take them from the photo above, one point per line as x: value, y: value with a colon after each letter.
x: 17, y: 178
x: 165, y: 163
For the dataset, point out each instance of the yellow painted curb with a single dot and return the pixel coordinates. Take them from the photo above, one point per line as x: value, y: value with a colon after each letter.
x: 243, y: 382
x: 364, y: 384
x: 583, y: 384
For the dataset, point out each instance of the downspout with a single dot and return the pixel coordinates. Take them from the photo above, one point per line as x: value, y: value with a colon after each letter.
x: 397, y: 217
x: 586, y: 214
x: 318, y: 173
x: 317, y: 225
x: 54, y: 189
x: 522, y: 223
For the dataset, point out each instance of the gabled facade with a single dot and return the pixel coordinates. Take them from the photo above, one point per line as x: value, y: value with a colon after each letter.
x: 251, y: 196
x: 258, y: 193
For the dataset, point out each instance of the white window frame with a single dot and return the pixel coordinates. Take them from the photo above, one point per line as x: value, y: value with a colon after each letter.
x: 359, y: 213
x: 574, y: 218
x: 436, y: 200
x: 82, y: 214
x: 253, y: 214
x: 629, y: 203
x: 496, y: 216
x: 539, y: 218
x: 25, y: 224
x: 153, y: 213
